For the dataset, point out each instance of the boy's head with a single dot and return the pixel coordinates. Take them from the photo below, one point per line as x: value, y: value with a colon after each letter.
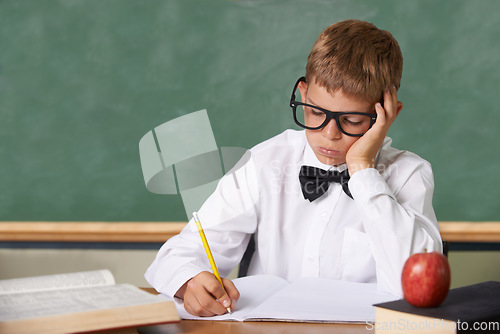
x: 356, y: 57
x: 350, y: 66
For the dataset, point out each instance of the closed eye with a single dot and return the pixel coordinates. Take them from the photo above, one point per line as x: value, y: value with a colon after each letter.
x: 314, y: 112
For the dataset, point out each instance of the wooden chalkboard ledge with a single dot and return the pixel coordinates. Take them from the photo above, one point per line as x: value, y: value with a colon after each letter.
x: 89, y: 231
x: 470, y: 231
x: 161, y: 231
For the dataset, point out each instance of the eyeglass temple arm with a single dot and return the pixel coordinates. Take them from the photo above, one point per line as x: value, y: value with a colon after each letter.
x: 292, y: 98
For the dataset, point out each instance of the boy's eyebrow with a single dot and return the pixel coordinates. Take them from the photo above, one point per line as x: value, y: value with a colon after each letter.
x: 315, y: 104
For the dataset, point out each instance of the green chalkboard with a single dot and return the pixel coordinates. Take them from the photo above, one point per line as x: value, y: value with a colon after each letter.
x: 81, y: 81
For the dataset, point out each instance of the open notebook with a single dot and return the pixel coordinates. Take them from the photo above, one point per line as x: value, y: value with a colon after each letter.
x: 271, y: 298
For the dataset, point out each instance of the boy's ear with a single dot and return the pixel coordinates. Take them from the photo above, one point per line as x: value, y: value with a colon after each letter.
x: 303, y: 91
x: 399, y: 107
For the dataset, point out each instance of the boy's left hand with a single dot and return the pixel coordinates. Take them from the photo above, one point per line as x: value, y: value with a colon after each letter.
x: 362, y: 153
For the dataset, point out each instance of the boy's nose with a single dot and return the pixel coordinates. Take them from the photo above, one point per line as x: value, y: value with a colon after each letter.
x: 331, y: 130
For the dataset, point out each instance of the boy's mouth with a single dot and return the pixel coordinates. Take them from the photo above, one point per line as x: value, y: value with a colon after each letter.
x: 328, y: 152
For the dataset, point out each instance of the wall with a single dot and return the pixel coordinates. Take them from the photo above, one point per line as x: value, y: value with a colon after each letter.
x: 467, y: 267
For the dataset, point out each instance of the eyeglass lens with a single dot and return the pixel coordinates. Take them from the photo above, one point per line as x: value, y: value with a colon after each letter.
x: 350, y: 123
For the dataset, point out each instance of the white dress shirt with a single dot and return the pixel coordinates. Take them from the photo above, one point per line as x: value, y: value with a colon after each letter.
x: 364, y: 239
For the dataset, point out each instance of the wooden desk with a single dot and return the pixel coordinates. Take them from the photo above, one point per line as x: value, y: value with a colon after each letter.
x: 231, y: 327
x: 247, y: 327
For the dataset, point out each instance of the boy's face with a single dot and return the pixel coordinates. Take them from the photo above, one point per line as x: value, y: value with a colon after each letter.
x: 329, y: 144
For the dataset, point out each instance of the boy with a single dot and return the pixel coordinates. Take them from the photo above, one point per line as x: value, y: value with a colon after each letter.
x: 360, y: 229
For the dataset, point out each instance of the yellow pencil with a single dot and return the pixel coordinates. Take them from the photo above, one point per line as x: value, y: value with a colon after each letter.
x: 208, y: 251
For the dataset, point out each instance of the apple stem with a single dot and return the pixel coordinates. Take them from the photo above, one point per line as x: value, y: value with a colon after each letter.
x: 425, y: 250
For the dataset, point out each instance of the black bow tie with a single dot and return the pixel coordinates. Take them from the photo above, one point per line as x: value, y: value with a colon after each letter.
x: 315, y: 181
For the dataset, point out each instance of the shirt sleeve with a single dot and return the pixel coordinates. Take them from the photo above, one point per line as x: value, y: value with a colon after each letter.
x: 228, y: 217
x: 397, y: 216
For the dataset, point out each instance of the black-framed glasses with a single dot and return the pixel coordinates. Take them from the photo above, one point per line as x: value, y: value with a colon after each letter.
x: 353, y: 124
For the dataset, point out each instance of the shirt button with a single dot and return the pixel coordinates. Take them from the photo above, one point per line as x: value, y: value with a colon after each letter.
x: 324, y: 216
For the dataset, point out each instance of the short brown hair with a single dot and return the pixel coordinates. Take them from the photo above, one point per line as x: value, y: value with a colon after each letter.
x: 358, y: 58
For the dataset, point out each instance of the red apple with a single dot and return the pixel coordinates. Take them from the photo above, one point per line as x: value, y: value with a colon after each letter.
x: 426, y: 279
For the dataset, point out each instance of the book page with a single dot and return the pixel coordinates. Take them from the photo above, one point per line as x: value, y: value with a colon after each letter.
x: 323, y: 300
x: 46, y: 303
x: 253, y: 291
x: 56, y: 282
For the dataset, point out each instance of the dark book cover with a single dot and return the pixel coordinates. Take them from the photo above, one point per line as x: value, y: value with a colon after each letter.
x: 473, y: 303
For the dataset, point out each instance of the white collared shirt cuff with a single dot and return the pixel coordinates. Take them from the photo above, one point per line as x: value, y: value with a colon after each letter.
x: 366, y: 184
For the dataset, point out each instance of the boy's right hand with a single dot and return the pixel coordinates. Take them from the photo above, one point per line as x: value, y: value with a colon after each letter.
x: 204, y: 296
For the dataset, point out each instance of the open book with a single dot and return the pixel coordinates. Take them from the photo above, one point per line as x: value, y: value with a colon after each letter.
x: 271, y: 298
x: 77, y: 302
